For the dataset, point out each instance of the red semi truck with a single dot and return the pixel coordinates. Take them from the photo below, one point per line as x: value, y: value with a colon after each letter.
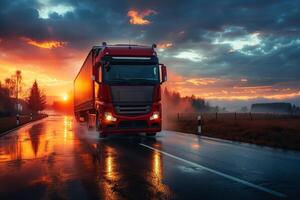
x: 118, y: 89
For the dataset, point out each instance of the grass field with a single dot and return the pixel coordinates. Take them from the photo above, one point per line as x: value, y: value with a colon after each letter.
x: 274, y: 131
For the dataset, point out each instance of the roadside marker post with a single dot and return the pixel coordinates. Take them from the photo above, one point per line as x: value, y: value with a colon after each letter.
x: 18, y: 119
x: 199, y: 124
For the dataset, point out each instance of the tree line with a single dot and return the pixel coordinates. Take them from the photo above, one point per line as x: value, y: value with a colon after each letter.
x: 174, y: 102
x: 15, y: 100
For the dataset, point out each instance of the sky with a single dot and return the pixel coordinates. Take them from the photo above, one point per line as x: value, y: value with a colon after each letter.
x: 223, y: 51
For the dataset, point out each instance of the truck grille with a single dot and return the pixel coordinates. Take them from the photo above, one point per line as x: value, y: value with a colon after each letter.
x: 132, y: 109
x: 130, y: 94
x: 133, y: 124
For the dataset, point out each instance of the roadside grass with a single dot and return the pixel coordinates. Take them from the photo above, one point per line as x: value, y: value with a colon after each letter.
x: 280, y: 133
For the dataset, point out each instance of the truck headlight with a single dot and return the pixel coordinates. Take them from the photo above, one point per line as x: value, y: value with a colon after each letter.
x: 108, y: 117
x: 154, y: 116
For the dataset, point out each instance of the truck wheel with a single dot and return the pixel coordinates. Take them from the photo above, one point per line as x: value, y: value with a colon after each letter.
x: 89, y: 123
x: 77, y: 117
x: 151, y: 134
x: 102, y: 135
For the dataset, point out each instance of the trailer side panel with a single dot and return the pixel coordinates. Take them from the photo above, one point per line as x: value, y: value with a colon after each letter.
x: 83, y: 86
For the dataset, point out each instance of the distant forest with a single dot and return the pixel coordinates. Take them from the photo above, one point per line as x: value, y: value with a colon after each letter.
x: 174, y: 102
x: 277, y: 107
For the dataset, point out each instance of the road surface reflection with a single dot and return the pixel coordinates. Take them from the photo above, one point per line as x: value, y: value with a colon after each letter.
x: 58, y: 159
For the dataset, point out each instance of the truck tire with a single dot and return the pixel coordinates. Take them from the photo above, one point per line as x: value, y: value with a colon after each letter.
x: 89, y: 122
x: 98, y: 126
x: 77, y: 117
x: 102, y: 135
x: 151, y: 134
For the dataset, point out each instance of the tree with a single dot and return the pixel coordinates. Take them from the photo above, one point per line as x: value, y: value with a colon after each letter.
x: 18, y: 78
x: 11, y: 86
x: 36, y: 100
x: 174, y: 102
x: 6, y: 106
x: 14, y: 84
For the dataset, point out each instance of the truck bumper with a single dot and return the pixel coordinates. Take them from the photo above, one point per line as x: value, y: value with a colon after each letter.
x: 129, y: 131
x: 125, y: 125
x: 117, y: 123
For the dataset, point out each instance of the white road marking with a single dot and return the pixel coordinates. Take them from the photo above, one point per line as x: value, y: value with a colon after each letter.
x: 238, y: 180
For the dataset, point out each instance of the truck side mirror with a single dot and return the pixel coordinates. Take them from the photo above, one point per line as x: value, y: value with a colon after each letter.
x: 98, y: 77
x: 106, y: 65
x: 163, y: 69
x: 100, y: 74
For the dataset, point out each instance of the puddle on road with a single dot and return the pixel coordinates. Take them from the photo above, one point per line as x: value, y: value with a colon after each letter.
x: 55, y: 153
x: 38, y: 140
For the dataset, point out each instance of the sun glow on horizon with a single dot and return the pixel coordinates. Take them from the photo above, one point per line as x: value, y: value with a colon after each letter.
x: 65, y: 97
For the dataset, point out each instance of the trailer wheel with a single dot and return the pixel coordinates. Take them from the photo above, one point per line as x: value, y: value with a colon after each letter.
x: 89, y: 121
x: 151, y: 134
x: 98, y: 124
x: 77, y: 117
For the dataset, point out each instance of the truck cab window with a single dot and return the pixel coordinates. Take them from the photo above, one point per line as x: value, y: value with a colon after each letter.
x: 136, y: 74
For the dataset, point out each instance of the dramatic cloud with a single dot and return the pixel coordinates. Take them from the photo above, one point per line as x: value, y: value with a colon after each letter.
x: 202, y: 81
x: 240, y: 43
x: 228, y: 89
x: 218, y: 49
x: 190, y: 55
x: 137, y: 18
x: 46, y: 10
x: 44, y: 44
x: 164, y: 45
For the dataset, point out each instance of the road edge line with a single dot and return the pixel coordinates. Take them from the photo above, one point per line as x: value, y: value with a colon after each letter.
x: 22, y: 126
x: 238, y: 180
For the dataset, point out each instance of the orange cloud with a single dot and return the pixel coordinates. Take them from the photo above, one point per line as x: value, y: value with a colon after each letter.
x: 164, y: 45
x: 45, y: 44
x: 284, y: 96
x: 202, y: 81
x: 226, y: 89
x: 138, y: 18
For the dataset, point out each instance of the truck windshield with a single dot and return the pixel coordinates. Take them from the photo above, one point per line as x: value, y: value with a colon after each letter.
x: 135, y: 74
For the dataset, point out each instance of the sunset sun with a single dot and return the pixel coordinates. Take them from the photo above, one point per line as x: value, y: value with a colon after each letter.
x: 65, y: 97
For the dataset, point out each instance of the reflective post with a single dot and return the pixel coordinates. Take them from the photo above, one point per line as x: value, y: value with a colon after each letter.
x: 18, y: 119
x: 199, y: 121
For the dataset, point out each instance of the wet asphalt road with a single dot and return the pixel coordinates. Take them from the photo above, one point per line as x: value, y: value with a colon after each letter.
x: 58, y: 159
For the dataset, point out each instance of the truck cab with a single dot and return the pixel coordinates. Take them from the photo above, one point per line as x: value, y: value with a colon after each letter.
x: 126, y: 82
